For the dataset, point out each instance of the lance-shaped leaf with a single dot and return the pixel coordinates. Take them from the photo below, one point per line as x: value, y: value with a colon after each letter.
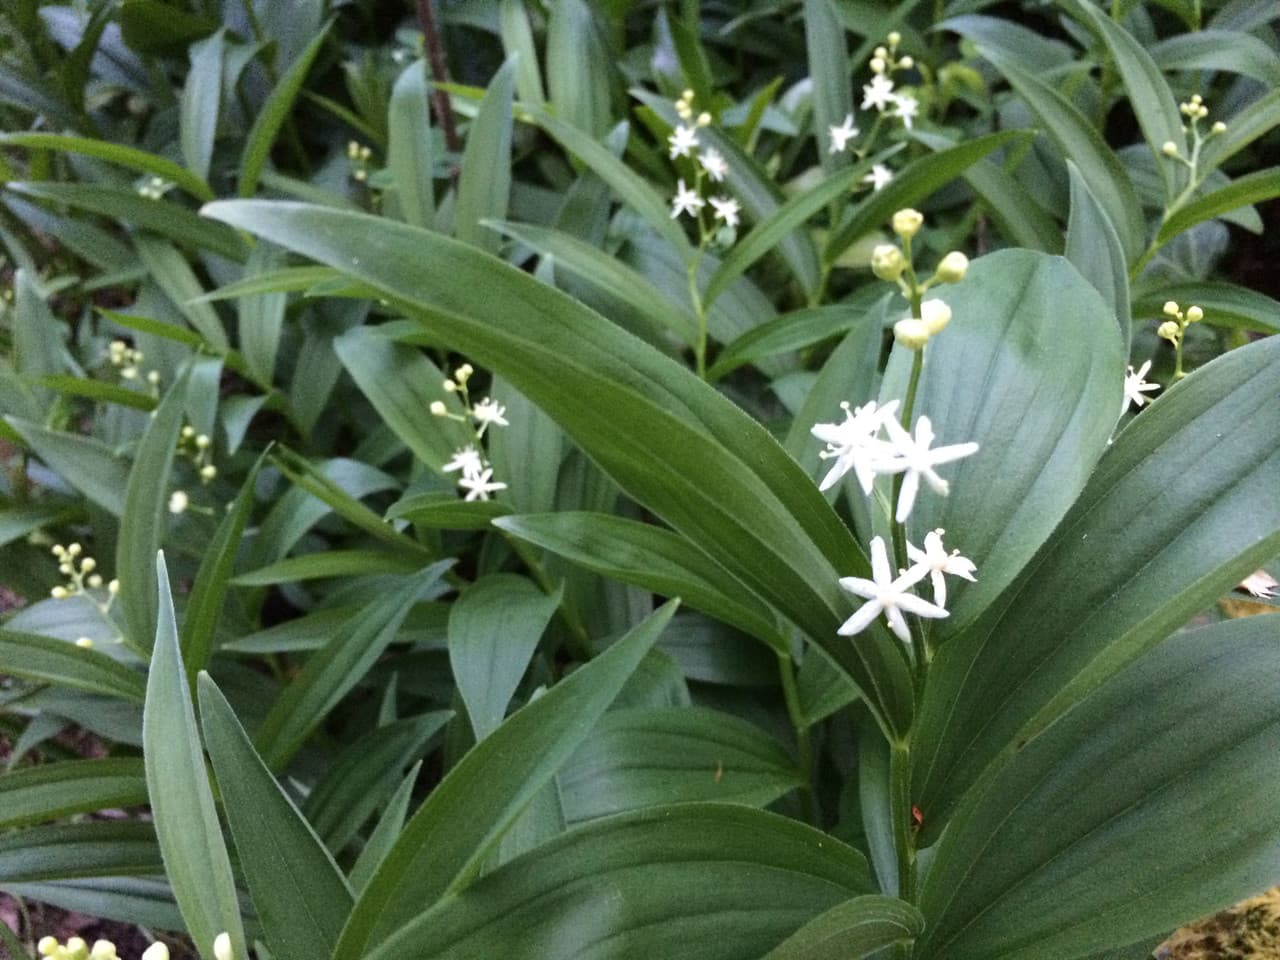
x: 96, y: 848
x: 49, y: 660
x: 853, y: 929
x: 51, y: 790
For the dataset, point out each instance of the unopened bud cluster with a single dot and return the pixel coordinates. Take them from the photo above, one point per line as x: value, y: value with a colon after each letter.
x: 1195, y: 111
x: 154, y: 188
x: 198, y: 448
x: 77, y: 949
x: 359, y: 157
x: 475, y: 472
x: 893, y: 264
x: 82, y: 576
x: 1174, y: 330
x: 128, y: 362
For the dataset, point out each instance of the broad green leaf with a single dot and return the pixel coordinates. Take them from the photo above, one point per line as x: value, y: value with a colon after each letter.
x: 37, y: 335
x: 1224, y: 304
x: 517, y: 42
x: 209, y: 589
x: 484, y: 186
x: 1077, y: 140
x: 1028, y: 48
x: 1178, y: 745
x: 647, y: 757
x: 410, y: 157
x: 146, y: 516
x: 1177, y: 512
x: 116, y: 153
x: 96, y: 848
x: 273, y: 113
x: 912, y: 185
x: 673, y: 443
x: 448, y: 840
x: 171, y: 272
x: 782, y: 221
x: 261, y: 316
x: 48, y: 660
x: 18, y: 521
x: 1228, y: 50
x: 531, y: 451
x: 278, y: 280
x: 301, y: 896
x: 384, y: 835
x: 363, y: 775
x: 200, y: 104
x: 829, y: 73
x: 1253, y: 188
x: 186, y: 822
x: 53, y: 790
x: 402, y: 383
x: 144, y: 901
x: 650, y: 557
x: 159, y: 216
x: 1093, y: 247
x: 1153, y: 102
x: 337, y: 667
x: 494, y: 628
x: 579, y: 68
x: 599, y: 269
x: 853, y: 929
x: 99, y: 391
x: 332, y: 563
x: 702, y: 881
x: 444, y: 511
x: 790, y: 331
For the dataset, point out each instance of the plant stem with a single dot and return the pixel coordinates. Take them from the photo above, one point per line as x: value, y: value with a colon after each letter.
x: 804, y: 742
x: 900, y: 810
x: 434, y: 50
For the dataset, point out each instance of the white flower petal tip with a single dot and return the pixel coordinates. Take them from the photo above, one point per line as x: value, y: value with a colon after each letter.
x: 916, y: 458
x: 1136, y: 387
x: 841, y: 135
x: 1261, y: 584
x: 934, y: 561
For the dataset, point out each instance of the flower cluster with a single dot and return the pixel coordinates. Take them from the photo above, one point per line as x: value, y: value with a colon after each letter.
x: 154, y: 188
x: 1175, y: 328
x: 891, y: 596
x: 359, y: 157
x: 475, y: 473
x: 76, y: 949
x: 709, y: 165
x: 1195, y: 111
x: 893, y: 264
x: 127, y: 362
x: 81, y: 571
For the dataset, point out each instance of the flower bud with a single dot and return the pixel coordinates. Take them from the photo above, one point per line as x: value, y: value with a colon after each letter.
x: 907, y: 223
x: 178, y: 502
x: 704, y: 119
x: 906, y: 63
x: 881, y: 52
x: 47, y: 946
x: 157, y: 951
x: 1168, y: 330
x: 1171, y: 309
x: 84, y: 643
x: 202, y: 441
x: 1169, y: 148
x: 95, y: 581
x: 103, y: 950
x: 222, y: 947
x: 188, y: 432
x: 887, y: 262
x: 74, y: 550
x: 952, y: 267
x: 208, y: 472
x: 1218, y: 127
x: 877, y: 65
x: 1194, y: 314
x: 113, y: 587
x: 450, y: 386
x: 894, y: 38
x: 77, y: 949
x: 88, y: 563
x: 935, y: 315
x: 59, y: 593
x: 912, y: 333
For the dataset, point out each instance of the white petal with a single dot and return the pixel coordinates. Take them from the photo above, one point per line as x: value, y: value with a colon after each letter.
x: 920, y: 607
x: 907, y: 496
x: 939, y: 588
x: 861, y: 619
x: 952, y: 452
x: 898, y: 624
x: 880, y: 571
x: 859, y: 587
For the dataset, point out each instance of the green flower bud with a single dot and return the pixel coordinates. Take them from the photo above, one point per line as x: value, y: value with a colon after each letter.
x: 1194, y: 314
x: 907, y: 223
x: 952, y: 268
x: 935, y: 315
x: 912, y: 333
x: 887, y: 262
x: 1169, y: 330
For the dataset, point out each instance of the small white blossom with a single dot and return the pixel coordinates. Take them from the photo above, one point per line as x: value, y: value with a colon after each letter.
x: 686, y: 201
x: 222, y: 949
x: 727, y: 209
x: 879, y: 177
x: 1260, y: 584
x: 467, y: 460
x: 914, y: 459
x: 683, y: 141
x: 855, y: 445
x: 935, y: 561
x: 714, y: 163
x: 841, y: 135
x: 489, y: 411
x: 886, y: 594
x: 178, y: 502
x: 877, y: 94
x: 906, y: 109
x: 1135, y: 387
x: 480, y: 485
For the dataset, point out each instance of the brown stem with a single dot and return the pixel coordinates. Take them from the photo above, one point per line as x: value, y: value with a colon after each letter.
x: 434, y: 50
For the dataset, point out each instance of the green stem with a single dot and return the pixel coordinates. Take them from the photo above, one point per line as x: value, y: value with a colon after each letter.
x: 804, y: 742
x: 900, y: 810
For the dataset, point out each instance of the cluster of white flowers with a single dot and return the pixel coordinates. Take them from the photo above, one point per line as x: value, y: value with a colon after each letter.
x: 77, y: 949
x: 709, y: 164
x: 475, y: 473
x: 127, y: 362
x: 81, y: 571
x: 359, y: 157
x: 1195, y: 111
x: 890, y: 595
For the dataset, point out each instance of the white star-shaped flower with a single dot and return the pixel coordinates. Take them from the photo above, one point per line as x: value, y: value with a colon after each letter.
x: 683, y: 141
x: 479, y: 486
x: 887, y: 595
x: 468, y: 460
x: 1135, y: 387
x: 1260, y: 584
x: 727, y: 209
x: 854, y: 444
x: 878, y: 93
x: 686, y: 200
x: 714, y: 163
x: 489, y: 411
x: 879, y: 176
x: 935, y: 561
x: 841, y: 135
x: 906, y: 109
x: 914, y: 459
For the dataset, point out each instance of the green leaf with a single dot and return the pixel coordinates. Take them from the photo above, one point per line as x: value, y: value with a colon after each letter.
x: 99, y: 391
x: 1254, y: 188
x: 332, y: 563
x: 101, y: 848
x: 674, y: 443
x: 186, y: 822
x: 1178, y: 745
x: 1229, y: 50
x: 53, y: 790
x: 912, y: 185
x: 336, y: 668
x: 1093, y: 247
x: 1197, y: 468
x: 690, y: 882
x: 261, y: 316
x: 1243, y: 128
x: 579, y: 68
x: 646, y: 757
x: 119, y: 154
x: 18, y: 521
x: 301, y: 896
x: 200, y: 105
x: 273, y: 113
x: 410, y: 157
x: 649, y: 557
x: 607, y: 273
x: 853, y: 929
x: 447, y: 841
x: 494, y: 628
x: 517, y: 42
x: 1224, y: 304
x: 790, y: 331
x: 484, y: 185
x: 829, y: 73
x: 146, y: 517
x: 49, y: 660
x: 159, y: 216
x: 444, y: 511
x: 384, y: 835
x: 86, y: 463
x: 171, y: 272
x: 1077, y: 140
